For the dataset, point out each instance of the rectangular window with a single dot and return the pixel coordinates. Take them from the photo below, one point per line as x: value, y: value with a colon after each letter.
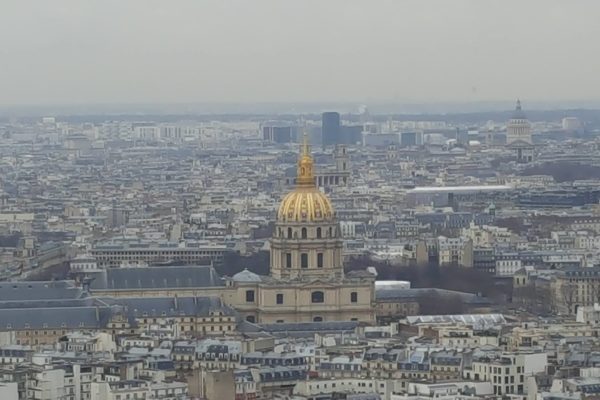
x: 354, y: 297
x: 319, y: 260
x: 279, y: 298
x: 288, y: 260
x: 304, y: 260
x: 250, y: 296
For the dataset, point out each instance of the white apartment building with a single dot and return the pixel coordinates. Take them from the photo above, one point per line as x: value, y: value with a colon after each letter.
x: 314, y: 387
x: 587, y: 242
x: 487, y: 235
x: 120, y: 390
x: 508, y: 267
x: 507, y: 373
x: 84, y: 264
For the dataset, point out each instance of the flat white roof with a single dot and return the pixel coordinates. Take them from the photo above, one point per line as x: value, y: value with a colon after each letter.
x: 449, y: 189
x: 392, y: 283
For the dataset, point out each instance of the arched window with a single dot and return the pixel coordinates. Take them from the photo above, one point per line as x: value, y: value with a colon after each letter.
x: 317, y: 297
x: 318, y: 319
x: 289, y: 233
x: 318, y: 233
x: 250, y: 318
x: 304, y: 233
x: 330, y: 232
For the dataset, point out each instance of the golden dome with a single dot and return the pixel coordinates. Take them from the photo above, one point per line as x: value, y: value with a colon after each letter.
x: 306, y: 203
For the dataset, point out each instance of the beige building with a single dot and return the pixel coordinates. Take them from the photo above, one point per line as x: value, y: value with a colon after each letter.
x: 445, y: 251
x: 307, y: 281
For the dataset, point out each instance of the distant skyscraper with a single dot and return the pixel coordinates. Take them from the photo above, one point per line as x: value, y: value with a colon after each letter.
x: 331, y: 128
x: 279, y: 132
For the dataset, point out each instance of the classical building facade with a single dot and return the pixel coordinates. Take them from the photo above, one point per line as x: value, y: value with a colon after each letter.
x: 307, y: 281
x: 573, y: 288
x: 518, y: 135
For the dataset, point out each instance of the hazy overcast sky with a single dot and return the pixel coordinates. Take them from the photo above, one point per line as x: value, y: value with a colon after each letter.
x: 104, y: 51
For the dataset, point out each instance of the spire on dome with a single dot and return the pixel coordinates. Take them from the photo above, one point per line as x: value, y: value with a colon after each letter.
x: 305, y: 176
x: 305, y: 148
x: 518, y: 108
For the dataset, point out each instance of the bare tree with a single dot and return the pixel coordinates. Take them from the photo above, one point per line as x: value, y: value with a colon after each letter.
x: 595, y: 291
x: 432, y: 303
x: 568, y: 291
x: 535, y: 298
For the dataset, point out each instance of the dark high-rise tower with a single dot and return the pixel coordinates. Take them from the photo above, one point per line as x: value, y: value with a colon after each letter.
x: 331, y: 128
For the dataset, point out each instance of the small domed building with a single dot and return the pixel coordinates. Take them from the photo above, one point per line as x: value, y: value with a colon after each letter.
x: 307, y: 281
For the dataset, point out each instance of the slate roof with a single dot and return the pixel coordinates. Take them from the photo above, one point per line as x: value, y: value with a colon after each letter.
x: 169, y: 277
x: 7, y: 352
x: 54, y: 303
x: 287, y: 373
x: 311, y: 326
x: 519, y: 144
x: 42, y: 290
x: 95, y: 312
x: 59, y: 318
x: 308, y: 329
x: 390, y: 293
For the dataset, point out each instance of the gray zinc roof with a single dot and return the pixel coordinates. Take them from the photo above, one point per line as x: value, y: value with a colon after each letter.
x: 43, y: 290
x: 157, y: 278
x: 59, y: 318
